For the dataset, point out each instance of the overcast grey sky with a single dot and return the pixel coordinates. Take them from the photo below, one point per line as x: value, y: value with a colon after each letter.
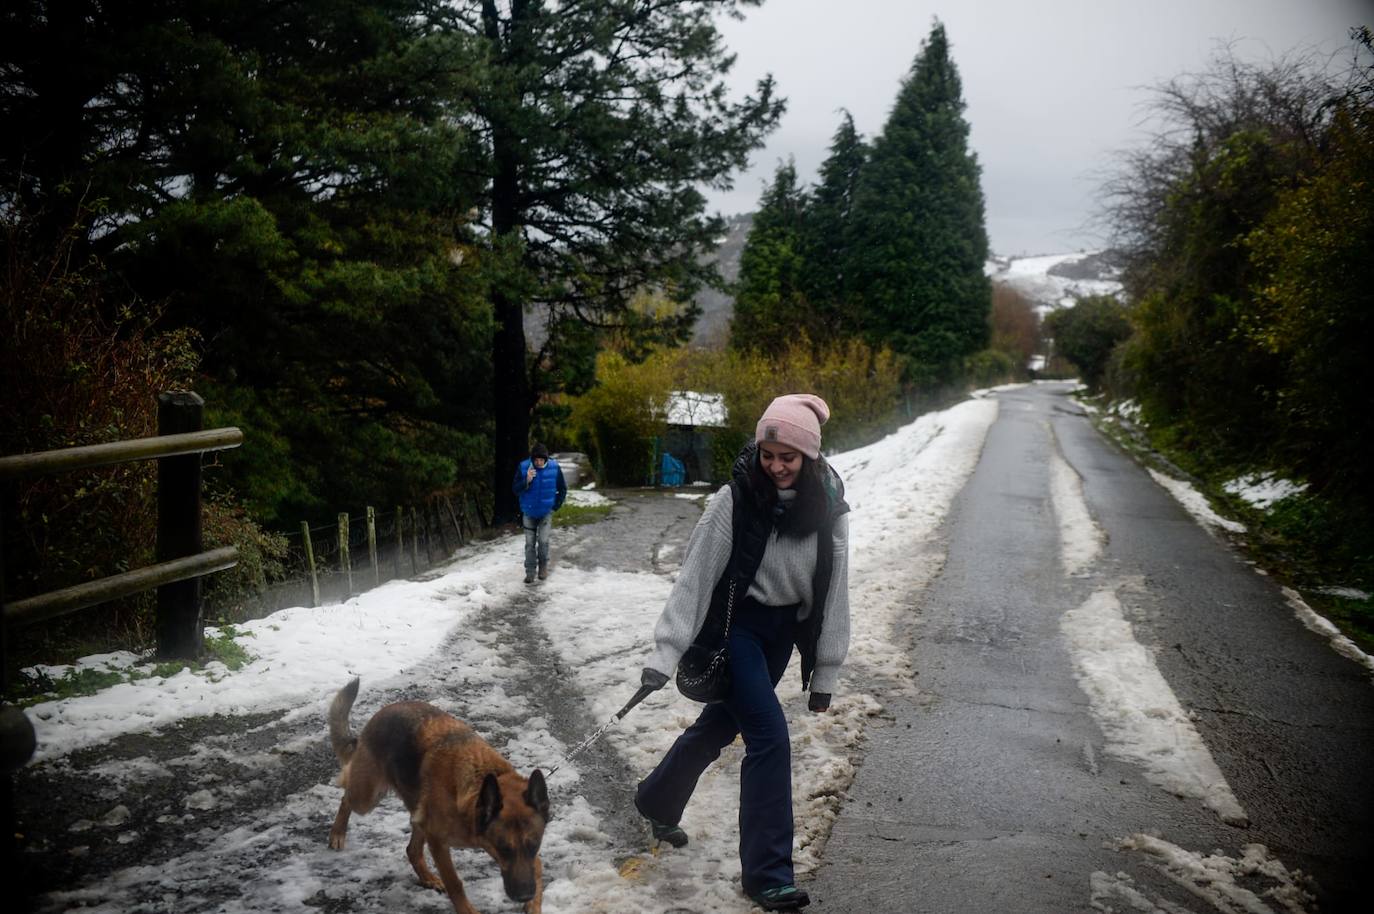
x: 1053, y: 86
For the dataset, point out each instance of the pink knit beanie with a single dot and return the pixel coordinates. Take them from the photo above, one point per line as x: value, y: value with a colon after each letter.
x: 794, y: 420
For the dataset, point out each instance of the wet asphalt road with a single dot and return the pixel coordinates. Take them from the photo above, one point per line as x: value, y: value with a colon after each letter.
x: 992, y: 791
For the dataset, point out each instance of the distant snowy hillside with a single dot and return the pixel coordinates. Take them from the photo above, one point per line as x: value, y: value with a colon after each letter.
x: 1050, y: 281
x: 1055, y: 280
x: 717, y: 308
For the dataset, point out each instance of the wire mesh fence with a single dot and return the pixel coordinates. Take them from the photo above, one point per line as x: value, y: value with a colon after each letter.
x: 366, y: 547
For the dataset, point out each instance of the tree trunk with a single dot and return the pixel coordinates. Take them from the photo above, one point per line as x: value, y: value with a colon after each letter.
x: 509, y: 403
x: 511, y: 395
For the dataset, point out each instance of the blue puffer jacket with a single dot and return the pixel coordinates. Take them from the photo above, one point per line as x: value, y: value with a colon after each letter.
x: 546, y: 491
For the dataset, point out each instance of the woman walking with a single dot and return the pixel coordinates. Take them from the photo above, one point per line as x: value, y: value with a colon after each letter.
x: 777, y: 539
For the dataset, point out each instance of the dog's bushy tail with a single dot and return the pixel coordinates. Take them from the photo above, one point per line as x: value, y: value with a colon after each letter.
x: 341, y: 735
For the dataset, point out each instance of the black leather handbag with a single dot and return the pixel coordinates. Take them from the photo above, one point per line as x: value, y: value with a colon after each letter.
x: 703, y: 673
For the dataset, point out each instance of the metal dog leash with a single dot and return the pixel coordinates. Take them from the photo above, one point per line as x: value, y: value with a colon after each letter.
x: 639, y: 696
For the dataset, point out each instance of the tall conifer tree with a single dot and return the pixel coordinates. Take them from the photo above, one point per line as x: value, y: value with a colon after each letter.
x: 601, y: 121
x: 827, y: 235
x: 919, y: 240
x: 281, y: 176
x: 769, y: 306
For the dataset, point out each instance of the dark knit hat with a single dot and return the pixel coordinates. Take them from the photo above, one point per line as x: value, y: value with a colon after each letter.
x: 539, y: 451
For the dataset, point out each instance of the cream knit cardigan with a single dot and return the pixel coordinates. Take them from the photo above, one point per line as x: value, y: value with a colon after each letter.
x: 784, y: 577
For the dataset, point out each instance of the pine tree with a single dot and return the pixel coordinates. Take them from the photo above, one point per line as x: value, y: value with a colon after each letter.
x: 828, y: 233
x: 279, y: 176
x: 770, y: 309
x: 919, y: 242
x: 600, y: 121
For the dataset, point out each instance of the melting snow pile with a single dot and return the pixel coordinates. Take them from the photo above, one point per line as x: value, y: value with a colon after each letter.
x: 1261, y: 490
x: 1256, y: 883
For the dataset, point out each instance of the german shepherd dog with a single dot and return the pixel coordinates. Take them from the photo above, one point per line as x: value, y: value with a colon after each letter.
x: 460, y: 792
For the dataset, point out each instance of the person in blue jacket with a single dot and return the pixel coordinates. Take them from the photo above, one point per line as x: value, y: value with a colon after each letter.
x: 540, y: 487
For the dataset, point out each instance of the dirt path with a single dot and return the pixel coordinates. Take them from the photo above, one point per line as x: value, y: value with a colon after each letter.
x: 155, y: 799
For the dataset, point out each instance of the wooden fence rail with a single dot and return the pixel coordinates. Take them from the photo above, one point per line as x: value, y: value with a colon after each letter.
x: 180, y: 564
x: 69, y: 599
x: 64, y: 460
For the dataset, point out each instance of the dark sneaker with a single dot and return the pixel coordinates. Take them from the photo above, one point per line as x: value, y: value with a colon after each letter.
x: 529, y: 577
x: 781, y: 898
x: 672, y: 834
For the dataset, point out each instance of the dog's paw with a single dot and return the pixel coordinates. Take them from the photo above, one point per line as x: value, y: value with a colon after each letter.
x: 336, y: 841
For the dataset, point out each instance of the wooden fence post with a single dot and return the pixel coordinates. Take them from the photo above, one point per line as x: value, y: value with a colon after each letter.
x: 464, y: 525
x: 310, y: 563
x: 475, y: 518
x: 414, y: 542
x: 372, y: 544
x: 4, y: 624
x: 178, y: 624
x: 439, y: 525
x: 400, y: 542
x: 345, y: 563
x: 457, y: 525
x: 429, y: 536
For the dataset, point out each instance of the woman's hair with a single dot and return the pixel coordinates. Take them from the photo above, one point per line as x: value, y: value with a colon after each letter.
x: 800, y: 516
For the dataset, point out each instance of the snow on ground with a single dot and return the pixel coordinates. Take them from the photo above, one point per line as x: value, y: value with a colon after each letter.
x: 1080, y: 537
x: 1323, y: 626
x: 299, y: 653
x: 601, y: 621
x: 1141, y: 718
x: 586, y: 498
x: 1348, y: 593
x: 1195, y: 503
x: 1127, y: 409
x: 1031, y: 277
x: 1261, y: 490
x: 1214, y: 879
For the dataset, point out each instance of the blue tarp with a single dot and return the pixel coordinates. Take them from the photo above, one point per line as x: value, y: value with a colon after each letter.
x: 672, y: 472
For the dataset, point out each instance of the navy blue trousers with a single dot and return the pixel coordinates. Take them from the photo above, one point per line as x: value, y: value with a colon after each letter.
x: 761, y: 639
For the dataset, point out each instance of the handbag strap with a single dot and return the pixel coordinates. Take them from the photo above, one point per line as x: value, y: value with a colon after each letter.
x: 729, y: 607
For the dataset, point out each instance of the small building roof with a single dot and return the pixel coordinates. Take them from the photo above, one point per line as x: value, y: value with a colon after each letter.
x: 690, y: 407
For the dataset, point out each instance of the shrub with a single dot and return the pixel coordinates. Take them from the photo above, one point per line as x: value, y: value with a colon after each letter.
x: 988, y: 367
x: 617, y: 420
x: 79, y: 368
x: 1086, y: 334
x: 262, y: 557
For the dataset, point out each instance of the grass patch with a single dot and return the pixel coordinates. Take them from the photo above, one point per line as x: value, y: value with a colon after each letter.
x: 573, y: 515
x: 226, y: 650
x: 30, y: 688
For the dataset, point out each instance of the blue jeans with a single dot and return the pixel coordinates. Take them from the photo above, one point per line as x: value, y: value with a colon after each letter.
x: 536, y: 541
x: 761, y: 639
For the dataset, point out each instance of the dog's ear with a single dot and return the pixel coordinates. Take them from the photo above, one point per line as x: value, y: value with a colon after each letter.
x: 537, y: 794
x: 488, y: 803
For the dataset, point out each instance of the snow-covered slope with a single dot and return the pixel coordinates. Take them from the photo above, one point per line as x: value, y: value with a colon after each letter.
x: 1056, y: 280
